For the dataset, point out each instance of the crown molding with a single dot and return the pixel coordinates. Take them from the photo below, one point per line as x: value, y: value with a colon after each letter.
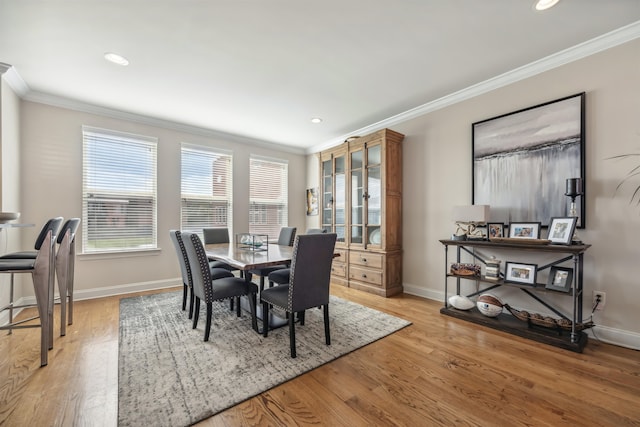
x: 582, y: 50
x: 11, y: 76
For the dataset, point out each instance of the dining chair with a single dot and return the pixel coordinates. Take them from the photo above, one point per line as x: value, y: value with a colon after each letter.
x: 64, y: 266
x: 308, y: 285
x: 217, y: 235
x: 42, y: 274
x: 286, y: 238
x: 281, y: 276
x: 185, y: 270
x: 207, y: 289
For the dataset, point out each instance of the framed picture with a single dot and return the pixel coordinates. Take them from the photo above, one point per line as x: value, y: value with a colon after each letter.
x: 521, y: 161
x: 560, y: 279
x: 561, y: 230
x: 495, y: 229
x: 521, y: 273
x: 312, y: 201
x: 524, y: 230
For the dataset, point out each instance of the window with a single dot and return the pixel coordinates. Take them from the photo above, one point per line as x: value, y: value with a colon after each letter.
x: 268, y: 196
x: 206, y: 189
x: 119, y: 191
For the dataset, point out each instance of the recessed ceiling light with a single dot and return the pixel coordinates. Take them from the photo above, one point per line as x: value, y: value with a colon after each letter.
x: 545, y: 4
x: 316, y: 120
x: 116, y: 59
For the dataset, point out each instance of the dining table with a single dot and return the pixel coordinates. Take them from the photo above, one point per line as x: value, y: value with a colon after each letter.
x: 246, y: 258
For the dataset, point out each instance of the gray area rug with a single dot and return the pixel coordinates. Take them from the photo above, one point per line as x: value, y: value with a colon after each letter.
x: 168, y: 376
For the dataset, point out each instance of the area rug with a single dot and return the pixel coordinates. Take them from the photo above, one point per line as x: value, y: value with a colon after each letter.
x: 168, y: 376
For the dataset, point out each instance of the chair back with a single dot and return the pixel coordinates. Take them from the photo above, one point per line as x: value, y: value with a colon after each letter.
x: 185, y: 269
x: 311, y: 271
x: 52, y: 225
x: 316, y: 230
x: 72, y: 226
x: 215, y: 235
x: 199, y: 265
x: 287, y: 236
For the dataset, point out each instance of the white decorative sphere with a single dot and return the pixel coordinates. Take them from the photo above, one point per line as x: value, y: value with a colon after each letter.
x: 489, y: 305
x: 461, y: 302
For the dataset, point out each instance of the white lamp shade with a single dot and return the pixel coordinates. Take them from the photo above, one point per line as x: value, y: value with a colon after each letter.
x: 471, y: 213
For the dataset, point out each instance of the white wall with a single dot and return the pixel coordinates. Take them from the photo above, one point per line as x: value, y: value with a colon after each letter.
x: 437, y: 176
x: 51, y: 179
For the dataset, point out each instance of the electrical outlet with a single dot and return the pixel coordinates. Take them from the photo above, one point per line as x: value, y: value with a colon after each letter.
x: 603, y: 299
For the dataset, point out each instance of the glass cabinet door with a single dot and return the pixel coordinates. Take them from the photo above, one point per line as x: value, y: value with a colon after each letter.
x: 340, y: 198
x: 327, y: 195
x: 357, y: 197
x: 334, y: 196
x: 373, y: 196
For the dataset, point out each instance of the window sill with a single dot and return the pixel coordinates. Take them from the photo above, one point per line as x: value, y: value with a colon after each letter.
x: 120, y: 254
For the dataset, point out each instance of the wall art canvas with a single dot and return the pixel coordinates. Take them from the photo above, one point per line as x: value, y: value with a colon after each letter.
x: 312, y: 201
x: 521, y: 161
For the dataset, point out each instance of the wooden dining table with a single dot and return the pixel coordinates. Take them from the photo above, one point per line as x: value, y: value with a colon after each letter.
x: 245, y: 259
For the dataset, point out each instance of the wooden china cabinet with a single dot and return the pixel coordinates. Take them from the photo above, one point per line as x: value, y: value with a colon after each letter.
x: 362, y: 203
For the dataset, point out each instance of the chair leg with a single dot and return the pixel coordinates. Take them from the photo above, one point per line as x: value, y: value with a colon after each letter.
x: 207, y: 328
x: 252, y: 307
x: 231, y: 304
x: 292, y: 335
x: 265, y: 319
x: 191, y: 300
x: 11, y: 305
x: 238, y: 307
x: 196, y: 313
x: 301, y: 317
x: 327, y: 334
x: 184, y: 296
x: 261, y: 283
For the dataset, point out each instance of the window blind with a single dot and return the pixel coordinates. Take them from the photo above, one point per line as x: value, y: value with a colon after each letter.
x: 268, y: 196
x: 206, y: 189
x: 119, y: 191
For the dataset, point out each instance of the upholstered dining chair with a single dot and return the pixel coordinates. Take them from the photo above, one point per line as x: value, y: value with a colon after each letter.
x: 185, y: 270
x: 209, y: 290
x: 281, y: 276
x: 308, y: 285
x: 286, y: 238
x: 65, y: 265
x: 217, y: 235
x: 42, y: 274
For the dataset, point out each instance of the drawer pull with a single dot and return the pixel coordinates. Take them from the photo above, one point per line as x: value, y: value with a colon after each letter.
x: 364, y: 276
x: 363, y: 259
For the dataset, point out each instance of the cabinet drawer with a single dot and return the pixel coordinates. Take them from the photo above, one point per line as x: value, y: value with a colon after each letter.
x: 341, y: 255
x: 365, y: 275
x: 366, y: 259
x: 339, y: 269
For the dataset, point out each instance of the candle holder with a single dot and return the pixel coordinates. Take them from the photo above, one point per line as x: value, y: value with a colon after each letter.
x: 574, y: 189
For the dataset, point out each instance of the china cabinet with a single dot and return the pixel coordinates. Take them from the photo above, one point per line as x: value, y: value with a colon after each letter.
x: 362, y: 203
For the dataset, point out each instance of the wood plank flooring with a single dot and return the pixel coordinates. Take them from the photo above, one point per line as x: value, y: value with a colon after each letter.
x: 440, y: 371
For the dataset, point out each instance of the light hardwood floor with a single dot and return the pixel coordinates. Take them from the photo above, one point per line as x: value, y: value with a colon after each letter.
x: 438, y: 371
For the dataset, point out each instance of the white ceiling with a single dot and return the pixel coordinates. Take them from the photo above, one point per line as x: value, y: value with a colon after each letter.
x: 262, y: 69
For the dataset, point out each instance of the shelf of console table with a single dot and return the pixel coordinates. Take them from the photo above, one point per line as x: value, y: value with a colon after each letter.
x: 574, y: 340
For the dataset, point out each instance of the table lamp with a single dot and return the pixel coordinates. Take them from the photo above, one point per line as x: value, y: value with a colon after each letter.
x: 574, y: 189
x: 467, y: 219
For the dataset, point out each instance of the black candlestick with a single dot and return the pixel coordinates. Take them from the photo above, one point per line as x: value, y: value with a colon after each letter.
x: 574, y: 187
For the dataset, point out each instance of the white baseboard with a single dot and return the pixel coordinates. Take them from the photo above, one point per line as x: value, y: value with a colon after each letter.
x: 605, y: 334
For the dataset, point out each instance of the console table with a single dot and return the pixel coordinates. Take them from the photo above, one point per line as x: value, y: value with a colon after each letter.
x: 574, y: 339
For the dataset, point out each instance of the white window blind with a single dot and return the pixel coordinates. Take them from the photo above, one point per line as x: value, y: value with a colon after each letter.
x: 119, y: 191
x: 206, y: 189
x: 268, y: 196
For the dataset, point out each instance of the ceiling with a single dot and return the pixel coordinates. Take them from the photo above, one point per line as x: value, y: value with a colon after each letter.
x: 260, y: 70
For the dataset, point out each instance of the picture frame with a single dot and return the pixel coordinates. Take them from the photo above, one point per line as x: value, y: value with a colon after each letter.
x: 561, y: 230
x: 521, y: 161
x: 312, y: 201
x: 524, y: 230
x: 560, y: 279
x: 524, y: 274
x: 495, y: 229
